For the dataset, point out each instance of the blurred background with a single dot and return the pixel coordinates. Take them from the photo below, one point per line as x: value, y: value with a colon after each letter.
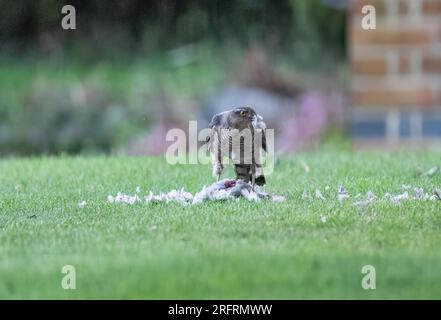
x: 133, y: 69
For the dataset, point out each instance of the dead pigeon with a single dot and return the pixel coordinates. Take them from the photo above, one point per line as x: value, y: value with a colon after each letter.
x: 221, y: 190
x: 226, y: 189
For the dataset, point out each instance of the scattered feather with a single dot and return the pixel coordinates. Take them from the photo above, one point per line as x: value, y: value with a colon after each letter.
x: 419, y: 193
x: 400, y: 197
x: 432, y: 171
x: 370, y: 195
x: 362, y: 203
x: 304, y: 166
x: 342, y: 194
x: 319, y: 195
x: 278, y: 198
x: 82, y: 204
x: 305, y: 195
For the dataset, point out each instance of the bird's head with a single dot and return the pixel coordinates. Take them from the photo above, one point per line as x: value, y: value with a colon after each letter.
x: 242, y: 117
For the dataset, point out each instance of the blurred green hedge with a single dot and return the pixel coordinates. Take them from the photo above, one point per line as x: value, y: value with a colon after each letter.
x: 46, y: 108
x: 49, y: 112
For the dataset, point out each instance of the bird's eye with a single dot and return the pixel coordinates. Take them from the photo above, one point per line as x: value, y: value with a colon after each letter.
x: 243, y: 113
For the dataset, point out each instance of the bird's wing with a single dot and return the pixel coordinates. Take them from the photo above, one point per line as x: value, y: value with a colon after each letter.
x: 216, y: 120
x: 260, y: 124
x: 214, y: 125
x: 210, y: 139
x: 264, y: 140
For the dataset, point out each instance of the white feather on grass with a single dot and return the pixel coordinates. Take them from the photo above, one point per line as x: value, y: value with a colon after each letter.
x: 218, y: 191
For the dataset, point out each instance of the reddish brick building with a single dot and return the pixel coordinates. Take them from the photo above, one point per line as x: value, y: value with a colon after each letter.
x: 396, y: 73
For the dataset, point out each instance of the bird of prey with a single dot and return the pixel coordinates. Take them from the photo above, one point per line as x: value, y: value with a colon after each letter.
x: 238, y: 134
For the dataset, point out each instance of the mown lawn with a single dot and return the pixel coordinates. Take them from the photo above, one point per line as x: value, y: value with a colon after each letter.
x: 294, y: 249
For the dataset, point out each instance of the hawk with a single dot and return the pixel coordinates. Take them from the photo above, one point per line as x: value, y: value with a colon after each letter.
x: 238, y: 134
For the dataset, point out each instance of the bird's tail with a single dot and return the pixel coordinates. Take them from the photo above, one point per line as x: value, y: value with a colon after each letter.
x: 243, y: 171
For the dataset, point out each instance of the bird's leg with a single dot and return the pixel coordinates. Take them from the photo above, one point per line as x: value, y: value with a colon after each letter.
x: 253, y: 176
x: 253, y: 163
x: 217, y: 164
x: 217, y: 170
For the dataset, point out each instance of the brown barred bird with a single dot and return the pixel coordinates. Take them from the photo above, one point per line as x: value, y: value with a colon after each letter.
x: 239, y: 135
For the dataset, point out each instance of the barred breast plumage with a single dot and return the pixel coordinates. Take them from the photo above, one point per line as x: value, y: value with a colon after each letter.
x: 239, y: 135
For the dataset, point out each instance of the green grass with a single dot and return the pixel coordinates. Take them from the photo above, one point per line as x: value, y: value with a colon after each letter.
x: 217, y: 250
